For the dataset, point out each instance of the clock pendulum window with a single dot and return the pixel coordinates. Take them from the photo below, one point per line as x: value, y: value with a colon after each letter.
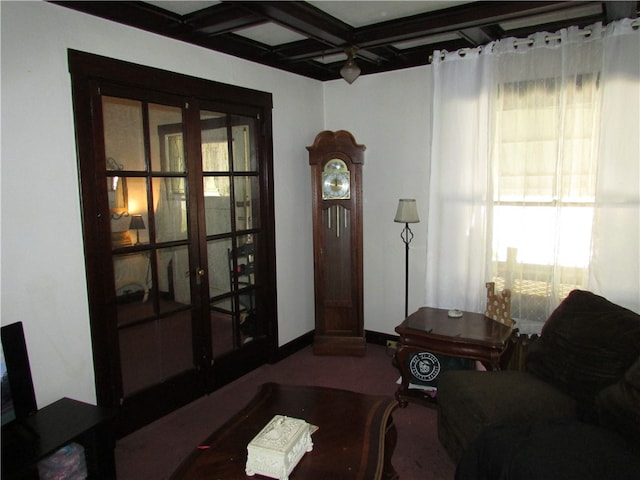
x: 336, y: 174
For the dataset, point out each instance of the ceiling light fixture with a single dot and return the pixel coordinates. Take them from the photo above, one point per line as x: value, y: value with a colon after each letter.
x: 350, y: 70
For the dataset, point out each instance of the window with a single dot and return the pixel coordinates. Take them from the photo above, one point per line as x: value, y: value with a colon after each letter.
x: 544, y: 178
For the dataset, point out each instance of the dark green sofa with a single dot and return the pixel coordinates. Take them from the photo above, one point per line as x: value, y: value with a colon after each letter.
x: 581, y: 388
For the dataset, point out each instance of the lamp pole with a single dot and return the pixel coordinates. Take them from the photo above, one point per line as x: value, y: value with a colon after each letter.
x: 407, y: 236
x: 407, y: 213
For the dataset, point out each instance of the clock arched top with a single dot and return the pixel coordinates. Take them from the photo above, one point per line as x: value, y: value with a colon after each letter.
x: 339, y: 144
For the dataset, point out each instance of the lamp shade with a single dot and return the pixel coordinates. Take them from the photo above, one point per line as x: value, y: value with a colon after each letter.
x: 350, y: 71
x: 407, y: 211
x: 137, y: 223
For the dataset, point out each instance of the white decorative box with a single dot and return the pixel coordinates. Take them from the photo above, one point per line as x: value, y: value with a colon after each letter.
x: 278, y: 448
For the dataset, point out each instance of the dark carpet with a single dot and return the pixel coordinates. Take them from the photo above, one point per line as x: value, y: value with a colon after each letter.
x: 156, y: 450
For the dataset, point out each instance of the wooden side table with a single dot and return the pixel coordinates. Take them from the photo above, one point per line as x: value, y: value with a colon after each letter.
x: 472, y: 335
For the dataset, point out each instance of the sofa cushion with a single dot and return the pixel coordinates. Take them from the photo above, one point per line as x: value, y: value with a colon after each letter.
x: 618, y: 406
x: 469, y: 401
x: 586, y: 345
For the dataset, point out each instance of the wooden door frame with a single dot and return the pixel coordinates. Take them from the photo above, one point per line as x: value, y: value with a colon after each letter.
x: 87, y: 72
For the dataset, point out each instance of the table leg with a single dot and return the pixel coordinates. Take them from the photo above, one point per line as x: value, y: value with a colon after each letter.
x: 390, y: 440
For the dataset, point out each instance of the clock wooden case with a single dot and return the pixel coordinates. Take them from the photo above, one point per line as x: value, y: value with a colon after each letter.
x: 336, y: 178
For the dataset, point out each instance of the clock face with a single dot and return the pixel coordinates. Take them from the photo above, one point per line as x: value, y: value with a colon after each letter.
x: 336, y: 181
x: 335, y: 186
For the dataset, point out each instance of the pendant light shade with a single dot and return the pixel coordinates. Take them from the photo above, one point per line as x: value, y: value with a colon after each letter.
x: 350, y: 70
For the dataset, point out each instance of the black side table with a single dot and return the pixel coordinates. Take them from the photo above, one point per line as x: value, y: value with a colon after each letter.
x: 55, y: 426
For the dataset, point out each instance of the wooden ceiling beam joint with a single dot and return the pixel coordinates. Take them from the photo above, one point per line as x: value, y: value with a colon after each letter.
x: 220, y: 19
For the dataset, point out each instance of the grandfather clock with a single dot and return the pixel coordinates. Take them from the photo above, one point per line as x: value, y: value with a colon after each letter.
x: 336, y: 179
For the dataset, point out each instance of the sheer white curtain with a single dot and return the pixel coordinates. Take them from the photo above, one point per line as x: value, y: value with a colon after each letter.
x: 535, y: 170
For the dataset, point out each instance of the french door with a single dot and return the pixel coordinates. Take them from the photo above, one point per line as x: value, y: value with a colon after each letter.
x: 178, y: 220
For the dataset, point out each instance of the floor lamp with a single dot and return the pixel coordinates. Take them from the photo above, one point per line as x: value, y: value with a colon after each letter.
x: 407, y: 213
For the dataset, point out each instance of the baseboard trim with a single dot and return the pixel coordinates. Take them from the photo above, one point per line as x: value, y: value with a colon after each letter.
x: 294, y: 346
x: 377, y: 338
x: 297, y: 344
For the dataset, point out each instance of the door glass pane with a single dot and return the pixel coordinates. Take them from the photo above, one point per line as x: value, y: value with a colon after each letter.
x: 172, y: 153
x: 170, y: 209
x: 232, y: 323
x: 218, y: 212
x: 222, y: 326
x: 233, y: 318
x: 245, y: 261
x: 221, y: 311
x: 215, y: 153
x: 176, y: 344
x: 138, y: 219
x: 117, y: 192
x: 132, y: 277
x: 245, y: 278
x: 215, y: 145
x: 248, y: 328
x: 166, y: 141
x: 216, y: 186
x: 130, y: 225
x: 244, y: 143
x: 247, y: 202
x: 139, y: 361
x: 123, y: 134
x: 174, y: 278
x: 219, y: 266
x: 154, y: 351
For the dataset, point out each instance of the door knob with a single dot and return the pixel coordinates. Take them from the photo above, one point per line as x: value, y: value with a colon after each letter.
x: 199, y: 274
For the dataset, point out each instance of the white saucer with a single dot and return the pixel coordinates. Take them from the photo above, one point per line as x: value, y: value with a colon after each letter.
x: 454, y: 313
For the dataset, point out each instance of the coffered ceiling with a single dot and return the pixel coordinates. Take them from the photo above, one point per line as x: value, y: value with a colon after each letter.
x: 309, y: 38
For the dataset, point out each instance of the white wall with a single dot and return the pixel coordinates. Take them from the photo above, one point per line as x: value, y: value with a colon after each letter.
x: 390, y: 114
x: 43, y: 274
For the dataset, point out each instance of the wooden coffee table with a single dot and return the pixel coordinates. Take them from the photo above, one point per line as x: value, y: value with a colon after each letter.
x: 472, y: 335
x: 355, y: 439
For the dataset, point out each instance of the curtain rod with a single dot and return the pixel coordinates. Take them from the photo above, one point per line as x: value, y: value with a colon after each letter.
x: 528, y: 41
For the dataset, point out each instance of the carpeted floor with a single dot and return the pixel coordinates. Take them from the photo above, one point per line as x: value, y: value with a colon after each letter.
x: 156, y: 450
